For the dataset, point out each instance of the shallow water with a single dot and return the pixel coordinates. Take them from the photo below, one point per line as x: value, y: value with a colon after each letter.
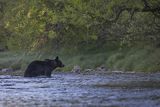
x: 81, y: 90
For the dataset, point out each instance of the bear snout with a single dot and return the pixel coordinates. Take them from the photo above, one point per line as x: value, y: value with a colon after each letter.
x: 62, y: 65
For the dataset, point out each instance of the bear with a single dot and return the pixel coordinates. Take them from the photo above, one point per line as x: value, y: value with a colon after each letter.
x: 38, y: 68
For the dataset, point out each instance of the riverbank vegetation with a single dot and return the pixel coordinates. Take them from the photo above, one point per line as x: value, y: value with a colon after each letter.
x: 142, y: 59
x: 118, y: 34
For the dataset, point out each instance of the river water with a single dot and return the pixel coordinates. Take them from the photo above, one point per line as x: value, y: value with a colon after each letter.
x: 81, y: 90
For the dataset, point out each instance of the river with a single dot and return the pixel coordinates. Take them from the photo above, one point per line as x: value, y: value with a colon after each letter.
x: 81, y: 90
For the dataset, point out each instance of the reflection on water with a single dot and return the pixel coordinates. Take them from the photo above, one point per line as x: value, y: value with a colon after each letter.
x: 81, y: 90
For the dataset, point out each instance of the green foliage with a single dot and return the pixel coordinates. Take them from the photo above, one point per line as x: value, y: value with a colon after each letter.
x: 34, y: 23
x: 79, y: 26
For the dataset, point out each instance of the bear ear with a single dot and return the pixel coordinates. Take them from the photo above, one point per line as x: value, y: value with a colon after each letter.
x: 57, y: 58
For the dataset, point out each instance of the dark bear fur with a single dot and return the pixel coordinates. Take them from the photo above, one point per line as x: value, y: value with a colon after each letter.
x: 37, y: 68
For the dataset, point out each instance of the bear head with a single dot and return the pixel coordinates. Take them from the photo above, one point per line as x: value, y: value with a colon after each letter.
x: 56, y: 62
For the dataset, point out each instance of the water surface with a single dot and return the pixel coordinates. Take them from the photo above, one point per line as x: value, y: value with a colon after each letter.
x: 81, y: 90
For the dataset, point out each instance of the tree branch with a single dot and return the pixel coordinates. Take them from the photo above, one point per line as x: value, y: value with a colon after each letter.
x: 155, y: 11
x: 146, y: 5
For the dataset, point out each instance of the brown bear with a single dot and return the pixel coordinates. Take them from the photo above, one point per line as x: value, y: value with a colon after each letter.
x: 38, y: 68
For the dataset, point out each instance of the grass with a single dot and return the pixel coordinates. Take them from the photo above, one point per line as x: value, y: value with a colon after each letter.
x: 134, y: 59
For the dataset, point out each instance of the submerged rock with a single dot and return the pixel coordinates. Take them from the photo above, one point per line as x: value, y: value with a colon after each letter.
x: 101, y: 68
x: 76, y: 69
x: 7, y: 70
x: 117, y: 71
x: 89, y: 70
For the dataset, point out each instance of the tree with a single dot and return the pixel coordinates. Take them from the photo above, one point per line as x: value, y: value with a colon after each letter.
x: 58, y: 23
